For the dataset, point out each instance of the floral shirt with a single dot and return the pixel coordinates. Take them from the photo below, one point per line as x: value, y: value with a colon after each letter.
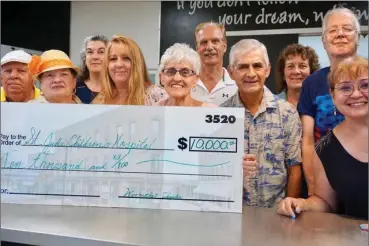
x: 154, y: 94
x: 273, y: 135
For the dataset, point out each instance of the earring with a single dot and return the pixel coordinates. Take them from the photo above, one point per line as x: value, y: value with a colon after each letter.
x: 75, y: 90
x: 334, y: 110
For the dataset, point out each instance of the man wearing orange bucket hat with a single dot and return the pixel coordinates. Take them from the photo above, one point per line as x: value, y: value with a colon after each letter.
x: 57, y: 76
x: 18, y: 85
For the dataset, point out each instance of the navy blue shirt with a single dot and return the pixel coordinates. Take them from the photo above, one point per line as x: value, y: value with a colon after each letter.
x: 84, y: 93
x: 316, y: 102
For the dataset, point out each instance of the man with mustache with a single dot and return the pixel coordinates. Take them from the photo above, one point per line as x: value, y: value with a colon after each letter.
x: 214, y: 85
x: 272, y: 160
x: 340, y: 36
x: 17, y: 82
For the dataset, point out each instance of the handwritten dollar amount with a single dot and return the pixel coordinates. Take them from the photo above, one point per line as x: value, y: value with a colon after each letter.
x: 208, y: 144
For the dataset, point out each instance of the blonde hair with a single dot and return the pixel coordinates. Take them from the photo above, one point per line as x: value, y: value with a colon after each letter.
x: 139, y: 78
x: 351, y: 68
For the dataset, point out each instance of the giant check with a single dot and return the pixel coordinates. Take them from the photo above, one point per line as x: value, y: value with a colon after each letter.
x: 114, y: 156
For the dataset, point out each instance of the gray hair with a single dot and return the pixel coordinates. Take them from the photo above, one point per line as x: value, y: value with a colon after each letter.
x: 84, y: 73
x: 180, y: 53
x: 246, y: 46
x: 340, y: 9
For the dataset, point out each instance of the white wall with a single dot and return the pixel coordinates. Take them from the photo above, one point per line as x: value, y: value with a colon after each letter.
x: 137, y: 20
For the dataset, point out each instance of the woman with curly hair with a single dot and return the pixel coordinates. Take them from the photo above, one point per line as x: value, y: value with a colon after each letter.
x: 294, y: 64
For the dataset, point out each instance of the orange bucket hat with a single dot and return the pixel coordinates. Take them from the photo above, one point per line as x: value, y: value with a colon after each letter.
x: 48, y: 61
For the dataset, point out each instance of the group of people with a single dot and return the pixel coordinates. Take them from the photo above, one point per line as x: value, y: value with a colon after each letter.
x: 313, y: 134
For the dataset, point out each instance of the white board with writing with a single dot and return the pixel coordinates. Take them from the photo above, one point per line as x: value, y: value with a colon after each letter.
x: 178, y: 158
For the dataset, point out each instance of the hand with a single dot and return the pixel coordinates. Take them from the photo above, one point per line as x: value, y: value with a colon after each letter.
x: 249, y: 165
x: 291, y: 206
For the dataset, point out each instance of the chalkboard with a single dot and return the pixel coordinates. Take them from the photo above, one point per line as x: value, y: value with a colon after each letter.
x: 180, y: 18
x: 36, y: 25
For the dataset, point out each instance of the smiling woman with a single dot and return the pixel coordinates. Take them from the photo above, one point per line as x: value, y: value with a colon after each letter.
x: 92, y: 56
x: 179, y: 73
x: 57, y: 76
x: 341, y: 159
x: 125, y: 78
x: 294, y: 64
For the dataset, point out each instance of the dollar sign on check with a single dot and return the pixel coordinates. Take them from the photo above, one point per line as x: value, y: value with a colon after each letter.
x: 182, y: 143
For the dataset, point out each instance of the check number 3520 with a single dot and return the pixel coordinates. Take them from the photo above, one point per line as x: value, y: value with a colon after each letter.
x: 220, y: 119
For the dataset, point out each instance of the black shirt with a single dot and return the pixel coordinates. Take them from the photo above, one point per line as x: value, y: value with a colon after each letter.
x: 347, y: 176
x: 84, y: 93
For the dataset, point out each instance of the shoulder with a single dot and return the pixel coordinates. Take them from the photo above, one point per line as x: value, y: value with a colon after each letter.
x: 77, y: 99
x: 39, y: 99
x: 233, y: 101
x: 99, y: 99
x: 155, y: 90
x: 2, y: 94
x: 80, y: 83
x: 288, y: 111
x: 317, y: 77
x: 323, y: 143
x: 154, y: 94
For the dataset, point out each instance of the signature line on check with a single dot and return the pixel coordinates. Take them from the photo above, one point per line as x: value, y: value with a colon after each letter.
x: 185, y: 164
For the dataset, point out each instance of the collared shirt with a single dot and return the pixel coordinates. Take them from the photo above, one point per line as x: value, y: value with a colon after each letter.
x: 224, y: 90
x: 273, y: 135
x: 36, y: 94
x: 283, y: 95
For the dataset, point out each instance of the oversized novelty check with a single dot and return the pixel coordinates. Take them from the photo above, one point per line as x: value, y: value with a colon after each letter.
x: 122, y: 156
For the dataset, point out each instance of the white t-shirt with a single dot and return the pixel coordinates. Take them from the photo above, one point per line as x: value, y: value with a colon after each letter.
x: 223, y: 90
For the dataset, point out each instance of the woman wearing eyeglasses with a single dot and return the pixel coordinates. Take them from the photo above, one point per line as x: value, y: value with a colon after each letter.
x: 341, y: 159
x: 179, y: 73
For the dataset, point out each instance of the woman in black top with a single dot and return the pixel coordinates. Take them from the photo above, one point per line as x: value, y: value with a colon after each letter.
x: 92, y: 55
x: 341, y: 157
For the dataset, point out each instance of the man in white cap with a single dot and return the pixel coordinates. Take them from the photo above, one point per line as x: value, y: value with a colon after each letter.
x: 17, y: 82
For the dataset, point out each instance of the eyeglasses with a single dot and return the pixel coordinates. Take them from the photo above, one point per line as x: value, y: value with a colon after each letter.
x: 184, y: 72
x: 347, y: 88
x: 348, y: 31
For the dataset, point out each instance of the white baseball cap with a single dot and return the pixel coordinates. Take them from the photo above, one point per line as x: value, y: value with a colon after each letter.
x: 16, y: 56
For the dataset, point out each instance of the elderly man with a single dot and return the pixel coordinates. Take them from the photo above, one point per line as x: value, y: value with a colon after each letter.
x: 341, y: 32
x: 214, y: 85
x: 17, y: 82
x: 272, y: 129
